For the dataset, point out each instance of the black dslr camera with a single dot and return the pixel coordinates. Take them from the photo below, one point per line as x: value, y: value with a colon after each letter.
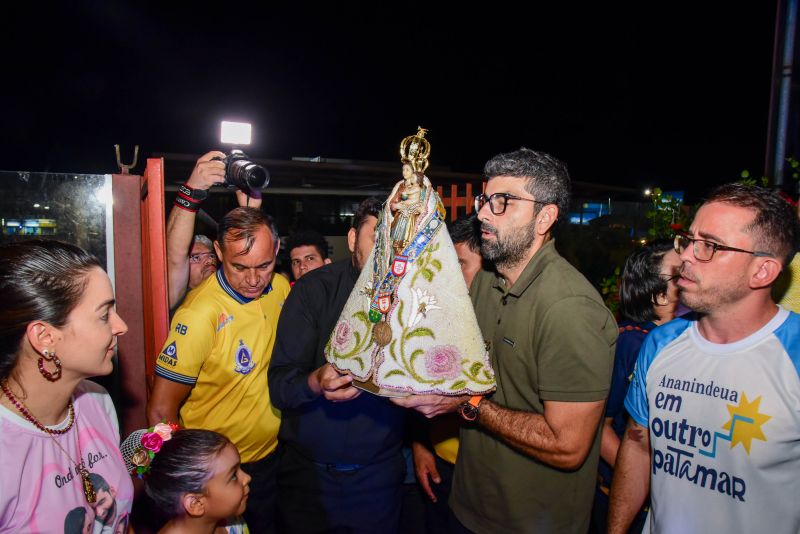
x: 242, y: 173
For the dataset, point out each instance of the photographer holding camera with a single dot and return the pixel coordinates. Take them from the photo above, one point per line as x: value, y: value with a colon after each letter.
x: 211, y: 169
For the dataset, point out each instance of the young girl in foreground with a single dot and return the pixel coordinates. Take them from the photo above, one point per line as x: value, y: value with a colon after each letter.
x: 194, y: 477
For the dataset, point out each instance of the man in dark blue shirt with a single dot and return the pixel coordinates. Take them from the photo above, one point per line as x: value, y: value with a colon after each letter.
x: 341, y: 465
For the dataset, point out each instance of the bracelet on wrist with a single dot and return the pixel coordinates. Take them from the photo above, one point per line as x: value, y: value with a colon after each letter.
x: 198, y: 195
x: 189, y: 198
x: 187, y: 204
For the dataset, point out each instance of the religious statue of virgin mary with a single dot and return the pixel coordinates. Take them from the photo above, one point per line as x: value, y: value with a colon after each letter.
x: 409, y: 327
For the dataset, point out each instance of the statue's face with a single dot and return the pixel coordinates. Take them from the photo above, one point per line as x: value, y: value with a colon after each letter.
x: 408, y: 172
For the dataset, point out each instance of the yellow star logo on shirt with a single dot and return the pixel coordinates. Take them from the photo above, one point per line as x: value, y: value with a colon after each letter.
x: 745, y: 422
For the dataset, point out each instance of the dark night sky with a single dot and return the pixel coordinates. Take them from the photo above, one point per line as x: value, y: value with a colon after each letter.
x: 671, y: 94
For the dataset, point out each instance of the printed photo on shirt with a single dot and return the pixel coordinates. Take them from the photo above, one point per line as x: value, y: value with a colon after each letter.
x: 105, y: 507
x: 79, y: 520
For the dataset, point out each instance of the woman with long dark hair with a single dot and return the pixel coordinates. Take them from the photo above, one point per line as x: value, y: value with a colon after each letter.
x: 59, y: 434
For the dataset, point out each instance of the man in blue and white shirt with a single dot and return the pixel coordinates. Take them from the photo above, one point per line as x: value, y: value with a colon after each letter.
x: 715, y: 398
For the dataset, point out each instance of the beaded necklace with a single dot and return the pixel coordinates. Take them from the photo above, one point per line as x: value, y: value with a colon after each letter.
x: 29, y: 416
x: 80, y: 469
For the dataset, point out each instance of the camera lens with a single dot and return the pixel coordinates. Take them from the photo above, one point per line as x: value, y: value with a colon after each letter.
x: 242, y: 173
x: 247, y: 175
x: 257, y: 177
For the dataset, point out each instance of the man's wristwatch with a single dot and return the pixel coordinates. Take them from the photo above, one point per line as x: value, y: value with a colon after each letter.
x: 469, y: 410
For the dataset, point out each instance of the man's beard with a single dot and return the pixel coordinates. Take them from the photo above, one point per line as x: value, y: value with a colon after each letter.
x: 707, y: 300
x: 508, y: 251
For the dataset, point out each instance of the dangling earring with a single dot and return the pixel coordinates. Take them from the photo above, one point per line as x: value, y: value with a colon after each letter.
x: 50, y: 357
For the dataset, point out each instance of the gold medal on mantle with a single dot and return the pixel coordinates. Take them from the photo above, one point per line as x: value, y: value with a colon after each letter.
x: 382, y: 333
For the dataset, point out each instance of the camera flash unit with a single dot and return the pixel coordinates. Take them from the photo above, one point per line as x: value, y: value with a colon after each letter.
x: 236, y: 133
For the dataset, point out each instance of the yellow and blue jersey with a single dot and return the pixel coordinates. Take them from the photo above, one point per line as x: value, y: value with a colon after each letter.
x: 220, y: 343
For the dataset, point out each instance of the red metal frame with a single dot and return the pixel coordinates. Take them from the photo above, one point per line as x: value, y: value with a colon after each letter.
x: 128, y: 276
x: 154, y: 262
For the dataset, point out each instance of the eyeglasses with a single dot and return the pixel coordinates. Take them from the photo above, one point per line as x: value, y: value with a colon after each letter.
x: 498, y: 202
x: 201, y: 256
x: 704, y: 250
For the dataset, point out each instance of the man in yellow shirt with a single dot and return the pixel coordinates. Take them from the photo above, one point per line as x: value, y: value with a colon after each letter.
x: 786, y: 290
x: 788, y: 286
x: 212, y: 372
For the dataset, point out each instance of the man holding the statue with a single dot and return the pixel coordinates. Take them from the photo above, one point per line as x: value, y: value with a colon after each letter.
x: 528, y: 455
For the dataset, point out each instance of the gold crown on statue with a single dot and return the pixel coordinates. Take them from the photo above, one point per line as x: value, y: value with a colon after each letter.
x: 415, y: 150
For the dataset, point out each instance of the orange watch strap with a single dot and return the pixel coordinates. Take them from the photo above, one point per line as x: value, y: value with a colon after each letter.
x: 469, y: 409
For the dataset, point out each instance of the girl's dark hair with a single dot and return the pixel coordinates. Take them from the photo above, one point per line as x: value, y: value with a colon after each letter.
x: 40, y: 280
x: 641, y: 281
x: 181, y: 467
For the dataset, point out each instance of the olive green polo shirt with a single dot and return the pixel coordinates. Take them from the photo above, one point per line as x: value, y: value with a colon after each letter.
x: 552, y: 338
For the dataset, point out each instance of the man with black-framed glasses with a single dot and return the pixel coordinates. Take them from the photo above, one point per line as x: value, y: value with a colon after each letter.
x: 714, y: 432
x: 703, y: 249
x: 528, y: 455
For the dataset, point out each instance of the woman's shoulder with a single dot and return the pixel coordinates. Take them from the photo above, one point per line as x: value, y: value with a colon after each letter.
x: 90, y: 387
x: 89, y: 390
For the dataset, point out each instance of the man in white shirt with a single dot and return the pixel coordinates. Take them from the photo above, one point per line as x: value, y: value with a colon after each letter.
x: 715, y: 398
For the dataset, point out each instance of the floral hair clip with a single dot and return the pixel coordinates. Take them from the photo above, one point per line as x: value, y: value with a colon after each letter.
x: 139, y: 449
